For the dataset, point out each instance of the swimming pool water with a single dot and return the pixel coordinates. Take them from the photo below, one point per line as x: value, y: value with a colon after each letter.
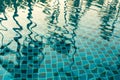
x: 59, y: 40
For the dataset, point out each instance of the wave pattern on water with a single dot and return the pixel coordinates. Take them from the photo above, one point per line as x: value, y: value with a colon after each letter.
x: 59, y: 39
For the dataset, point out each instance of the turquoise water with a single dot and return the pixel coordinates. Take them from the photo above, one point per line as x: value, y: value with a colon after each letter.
x: 59, y: 40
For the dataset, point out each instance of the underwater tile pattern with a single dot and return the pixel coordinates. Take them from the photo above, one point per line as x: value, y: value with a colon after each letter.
x: 59, y: 40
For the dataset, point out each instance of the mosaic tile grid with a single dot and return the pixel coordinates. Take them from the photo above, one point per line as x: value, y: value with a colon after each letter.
x: 85, y: 48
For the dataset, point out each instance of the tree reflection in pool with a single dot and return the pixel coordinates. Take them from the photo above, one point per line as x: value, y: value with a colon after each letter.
x: 59, y: 39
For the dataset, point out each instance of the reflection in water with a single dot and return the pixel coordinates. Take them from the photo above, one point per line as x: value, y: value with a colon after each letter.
x: 2, y: 19
x: 73, y: 24
x: 55, y: 38
x: 89, y: 3
x: 31, y: 48
x: 26, y: 63
x: 43, y: 1
x: 17, y: 29
x: 108, y: 20
x: 101, y: 2
x: 62, y: 21
x: 55, y: 14
x: 2, y: 6
x: 2, y: 11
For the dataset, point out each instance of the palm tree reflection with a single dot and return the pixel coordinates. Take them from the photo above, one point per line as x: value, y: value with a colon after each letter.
x: 73, y: 24
x: 109, y: 20
x: 57, y: 40
x: 17, y: 30
x: 3, y: 47
x: 29, y: 54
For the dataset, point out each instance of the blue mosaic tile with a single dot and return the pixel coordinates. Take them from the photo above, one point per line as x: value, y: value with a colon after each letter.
x: 59, y: 40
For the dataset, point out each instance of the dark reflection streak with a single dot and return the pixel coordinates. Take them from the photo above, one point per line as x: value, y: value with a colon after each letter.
x: 75, y: 20
x: 8, y: 3
x: 65, y: 11
x: 65, y: 17
x: 53, y: 21
x: 75, y: 48
x: 29, y: 27
x: 101, y: 2
x: 2, y: 47
x: 55, y: 13
x: 54, y: 18
x: 116, y: 18
x: 117, y: 15
x: 17, y: 29
x: 76, y: 3
x: 43, y: 1
x: 2, y: 9
x: 74, y: 17
x: 88, y: 5
x: 2, y: 6
x: 106, y: 28
x: 56, y: 39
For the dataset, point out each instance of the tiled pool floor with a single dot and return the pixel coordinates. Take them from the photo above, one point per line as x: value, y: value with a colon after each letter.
x: 60, y: 40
